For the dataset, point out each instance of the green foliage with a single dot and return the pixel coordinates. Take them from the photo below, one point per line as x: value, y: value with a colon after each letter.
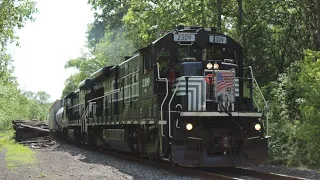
x: 295, y: 106
x: 108, y: 14
x: 113, y: 47
x: 15, y: 104
x: 13, y: 15
x: 72, y: 83
x: 267, y: 29
x: 9, y: 103
x: 109, y: 51
x: 36, y: 105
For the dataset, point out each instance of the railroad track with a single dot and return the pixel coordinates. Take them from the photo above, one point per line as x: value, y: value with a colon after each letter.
x: 207, y: 173
x: 266, y: 175
x: 242, y: 173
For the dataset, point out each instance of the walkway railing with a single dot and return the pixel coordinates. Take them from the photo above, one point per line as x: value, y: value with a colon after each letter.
x: 266, y: 107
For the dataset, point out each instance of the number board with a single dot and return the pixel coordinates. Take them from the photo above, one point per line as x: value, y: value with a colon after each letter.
x: 218, y: 39
x: 184, y: 37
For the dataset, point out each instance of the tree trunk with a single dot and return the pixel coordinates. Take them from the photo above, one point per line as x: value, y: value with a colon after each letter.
x: 240, y: 21
x: 285, y: 45
x: 203, y: 21
x: 317, y: 17
x: 219, y: 15
x: 240, y: 18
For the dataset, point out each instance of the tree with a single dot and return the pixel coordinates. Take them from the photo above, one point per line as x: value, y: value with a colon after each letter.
x: 295, y: 113
x: 108, y: 16
x: 71, y: 84
x: 13, y: 103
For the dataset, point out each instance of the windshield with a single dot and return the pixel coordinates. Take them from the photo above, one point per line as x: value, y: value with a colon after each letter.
x: 173, y: 58
x: 191, y: 69
x: 193, y: 53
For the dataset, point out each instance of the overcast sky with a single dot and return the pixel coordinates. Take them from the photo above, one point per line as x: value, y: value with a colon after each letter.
x: 56, y: 35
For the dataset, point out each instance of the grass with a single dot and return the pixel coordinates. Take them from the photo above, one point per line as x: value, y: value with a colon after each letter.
x: 16, y: 154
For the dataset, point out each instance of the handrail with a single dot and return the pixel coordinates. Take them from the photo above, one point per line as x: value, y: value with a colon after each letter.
x: 74, y: 106
x: 83, y: 117
x: 165, y: 98
x: 109, y: 93
x: 135, y: 72
x: 97, y: 98
x: 174, y: 92
x: 86, y: 119
x: 255, y: 102
x: 266, y: 104
x: 170, y: 107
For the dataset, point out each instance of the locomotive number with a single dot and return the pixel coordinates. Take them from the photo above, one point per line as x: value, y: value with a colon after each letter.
x: 145, y: 82
x: 218, y: 39
x: 184, y: 37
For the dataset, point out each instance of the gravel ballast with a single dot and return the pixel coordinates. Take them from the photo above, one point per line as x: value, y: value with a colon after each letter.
x: 308, y: 174
x: 63, y: 161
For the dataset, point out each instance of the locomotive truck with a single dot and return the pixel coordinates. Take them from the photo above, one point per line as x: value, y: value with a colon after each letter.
x: 185, y: 98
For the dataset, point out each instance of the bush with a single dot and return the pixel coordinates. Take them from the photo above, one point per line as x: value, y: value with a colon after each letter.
x: 294, y: 113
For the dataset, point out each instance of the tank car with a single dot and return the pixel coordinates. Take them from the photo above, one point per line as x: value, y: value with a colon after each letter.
x: 54, y: 121
x: 185, y: 98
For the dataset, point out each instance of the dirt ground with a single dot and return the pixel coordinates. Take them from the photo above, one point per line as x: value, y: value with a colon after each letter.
x: 3, y: 169
x: 60, y: 162
x: 67, y: 162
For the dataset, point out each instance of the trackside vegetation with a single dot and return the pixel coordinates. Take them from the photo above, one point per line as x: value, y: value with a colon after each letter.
x: 15, y: 154
x: 14, y: 102
x: 295, y: 113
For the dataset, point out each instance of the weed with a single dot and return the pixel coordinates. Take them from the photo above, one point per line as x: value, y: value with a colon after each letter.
x: 41, y: 175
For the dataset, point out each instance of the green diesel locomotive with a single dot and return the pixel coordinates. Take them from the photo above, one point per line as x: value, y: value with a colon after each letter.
x: 185, y: 98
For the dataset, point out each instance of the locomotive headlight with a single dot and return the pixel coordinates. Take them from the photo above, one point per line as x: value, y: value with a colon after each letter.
x: 189, y: 126
x: 216, y: 66
x: 209, y: 66
x: 257, y: 127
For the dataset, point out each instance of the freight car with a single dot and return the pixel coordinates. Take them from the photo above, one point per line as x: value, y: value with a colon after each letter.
x: 185, y: 98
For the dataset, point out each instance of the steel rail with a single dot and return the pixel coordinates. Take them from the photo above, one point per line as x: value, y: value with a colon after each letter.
x: 266, y: 175
x: 243, y: 172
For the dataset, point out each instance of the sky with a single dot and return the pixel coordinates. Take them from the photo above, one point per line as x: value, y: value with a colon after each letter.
x: 56, y: 35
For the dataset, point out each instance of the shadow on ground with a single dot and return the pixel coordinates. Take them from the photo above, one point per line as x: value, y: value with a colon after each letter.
x: 135, y: 169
